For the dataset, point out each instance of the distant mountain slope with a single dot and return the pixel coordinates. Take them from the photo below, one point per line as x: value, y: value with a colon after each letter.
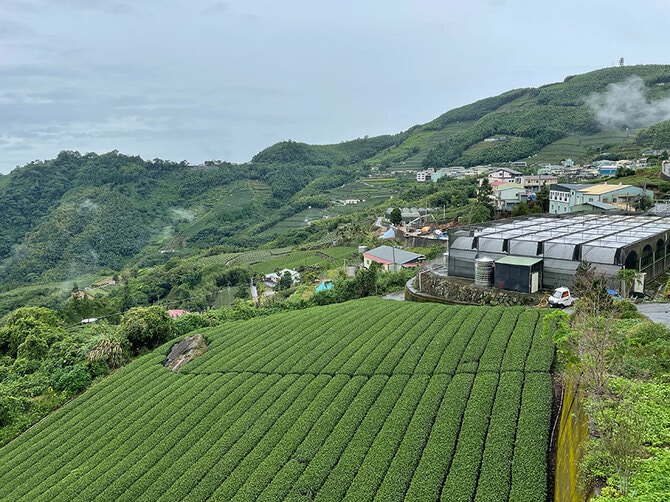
x: 532, y: 118
x: 82, y: 213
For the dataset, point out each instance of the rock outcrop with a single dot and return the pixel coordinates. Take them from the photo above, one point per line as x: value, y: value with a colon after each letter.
x: 186, y: 350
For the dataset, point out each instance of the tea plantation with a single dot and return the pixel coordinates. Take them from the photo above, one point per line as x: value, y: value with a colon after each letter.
x: 365, y: 400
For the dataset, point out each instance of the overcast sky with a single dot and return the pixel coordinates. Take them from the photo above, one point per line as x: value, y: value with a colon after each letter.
x: 200, y: 80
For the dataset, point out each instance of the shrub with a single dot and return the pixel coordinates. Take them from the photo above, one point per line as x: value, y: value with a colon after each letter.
x: 39, y: 322
x: 647, y: 351
x: 146, y: 327
x: 627, y: 310
x: 107, y: 347
x: 191, y: 322
x: 23, y: 366
x: 33, y: 347
x: 72, y: 380
x: 10, y: 407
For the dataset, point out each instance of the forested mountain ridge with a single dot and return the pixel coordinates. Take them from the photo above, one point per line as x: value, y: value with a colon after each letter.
x: 531, y: 119
x: 81, y: 213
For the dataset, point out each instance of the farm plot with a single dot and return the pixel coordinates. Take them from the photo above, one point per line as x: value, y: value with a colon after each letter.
x: 325, y: 258
x: 365, y: 400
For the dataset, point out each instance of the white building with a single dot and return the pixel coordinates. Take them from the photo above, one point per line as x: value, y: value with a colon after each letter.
x: 571, y: 197
x: 503, y: 174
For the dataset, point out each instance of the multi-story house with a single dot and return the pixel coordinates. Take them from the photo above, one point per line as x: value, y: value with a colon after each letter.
x: 503, y: 174
x: 572, y: 197
x: 533, y: 183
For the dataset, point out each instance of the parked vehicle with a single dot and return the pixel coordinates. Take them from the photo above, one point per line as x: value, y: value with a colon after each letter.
x: 561, y: 297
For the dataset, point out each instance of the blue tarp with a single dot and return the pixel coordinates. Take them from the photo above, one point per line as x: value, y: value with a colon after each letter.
x: 389, y: 234
x: 324, y: 286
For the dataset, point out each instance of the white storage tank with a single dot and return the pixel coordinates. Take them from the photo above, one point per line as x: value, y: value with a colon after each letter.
x: 484, y: 271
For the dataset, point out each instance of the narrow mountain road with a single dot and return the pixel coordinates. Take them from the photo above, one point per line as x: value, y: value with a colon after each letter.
x: 657, y: 312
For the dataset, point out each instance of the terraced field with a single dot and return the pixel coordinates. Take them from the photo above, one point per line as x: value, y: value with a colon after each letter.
x: 366, y: 400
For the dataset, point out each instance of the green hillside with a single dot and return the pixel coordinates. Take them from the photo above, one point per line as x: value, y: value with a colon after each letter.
x: 535, y: 120
x: 80, y: 214
x: 376, y: 400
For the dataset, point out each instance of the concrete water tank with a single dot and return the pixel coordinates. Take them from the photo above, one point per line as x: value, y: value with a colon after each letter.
x: 484, y: 271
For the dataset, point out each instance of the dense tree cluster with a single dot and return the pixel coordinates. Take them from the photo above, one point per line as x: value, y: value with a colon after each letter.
x: 42, y: 364
x: 656, y: 136
x: 527, y: 129
x: 80, y: 213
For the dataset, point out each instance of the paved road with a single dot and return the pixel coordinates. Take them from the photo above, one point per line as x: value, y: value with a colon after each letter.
x: 657, y: 312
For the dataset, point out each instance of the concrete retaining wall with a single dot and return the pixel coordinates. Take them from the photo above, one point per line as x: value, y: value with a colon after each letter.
x: 455, y: 290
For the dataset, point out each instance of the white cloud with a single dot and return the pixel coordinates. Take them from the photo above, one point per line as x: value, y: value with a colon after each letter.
x: 625, y: 104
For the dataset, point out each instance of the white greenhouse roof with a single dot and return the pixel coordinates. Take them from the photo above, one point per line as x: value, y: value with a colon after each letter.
x: 598, y: 236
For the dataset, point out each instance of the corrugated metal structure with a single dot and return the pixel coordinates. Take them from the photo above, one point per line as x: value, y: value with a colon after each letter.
x: 610, y: 242
x: 518, y: 273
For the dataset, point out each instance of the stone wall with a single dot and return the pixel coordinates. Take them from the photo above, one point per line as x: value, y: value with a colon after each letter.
x: 457, y: 290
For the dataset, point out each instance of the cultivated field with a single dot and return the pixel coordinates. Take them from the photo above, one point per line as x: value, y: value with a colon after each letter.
x: 366, y: 400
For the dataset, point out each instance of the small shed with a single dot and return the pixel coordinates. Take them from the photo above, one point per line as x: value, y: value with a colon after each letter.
x: 518, y: 273
x: 392, y: 258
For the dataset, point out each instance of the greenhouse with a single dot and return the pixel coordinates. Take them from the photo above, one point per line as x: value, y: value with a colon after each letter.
x: 609, y: 242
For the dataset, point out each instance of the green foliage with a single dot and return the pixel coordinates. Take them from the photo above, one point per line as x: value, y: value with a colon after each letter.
x: 651, y: 484
x: 344, y: 153
x: 656, y: 136
x: 31, y: 329
x: 612, y: 352
x: 106, y: 345
x: 191, y: 322
x: 484, y: 193
x: 645, y: 351
x: 50, y: 365
x: 542, y: 198
x: 621, y: 421
x: 520, y: 209
x: 627, y: 310
x: 146, y: 327
x: 72, y: 379
x: 109, y: 208
x: 285, y: 281
x: 12, y: 407
x: 643, y: 203
x: 479, y: 108
x: 393, y: 281
x: 479, y: 213
x: 369, y: 398
x: 396, y: 216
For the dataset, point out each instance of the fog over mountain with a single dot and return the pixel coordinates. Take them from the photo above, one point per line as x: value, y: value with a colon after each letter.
x: 625, y: 104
